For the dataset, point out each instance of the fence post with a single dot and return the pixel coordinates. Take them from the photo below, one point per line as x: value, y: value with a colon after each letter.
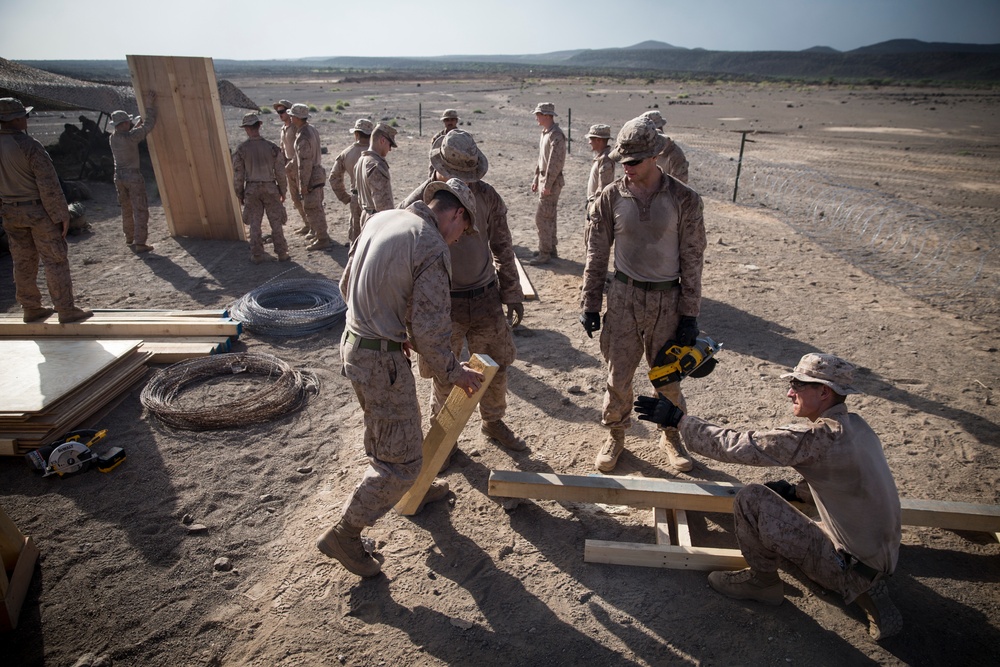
x: 420, y: 119
x: 569, y: 130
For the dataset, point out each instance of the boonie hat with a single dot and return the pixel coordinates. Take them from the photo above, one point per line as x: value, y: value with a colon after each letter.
x: 638, y: 140
x: 388, y: 131
x: 599, y: 131
x: 828, y: 369
x: 11, y: 108
x: 449, y: 113
x: 284, y: 104
x: 364, y: 126
x: 456, y: 155
x: 657, y: 118
x: 299, y: 111
x: 119, y: 117
x: 249, y: 119
x: 460, y: 190
x: 546, y: 108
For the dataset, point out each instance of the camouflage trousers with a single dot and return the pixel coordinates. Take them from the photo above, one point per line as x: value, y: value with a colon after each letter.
x: 770, y: 529
x: 354, y: 231
x: 31, y: 234
x: 545, y: 218
x: 315, y: 214
x: 294, y: 192
x: 259, y: 198
x: 387, y: 392
x: 135, y: 205
x: 480, y: 321
x: 637, y: 322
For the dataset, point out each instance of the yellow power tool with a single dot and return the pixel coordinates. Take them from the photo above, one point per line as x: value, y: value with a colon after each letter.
x: 675, y: 362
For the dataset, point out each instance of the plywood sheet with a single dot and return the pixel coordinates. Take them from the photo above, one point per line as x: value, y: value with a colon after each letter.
x: 188, y: 147
x: 39, y: 372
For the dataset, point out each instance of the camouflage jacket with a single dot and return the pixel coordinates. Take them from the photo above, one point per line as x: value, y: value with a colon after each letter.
x: 257, y: 159
x: 551, y: 158
x: 344, y: 166
x: 27, y: 172
x: 371, y: 176
x: 308, y: 158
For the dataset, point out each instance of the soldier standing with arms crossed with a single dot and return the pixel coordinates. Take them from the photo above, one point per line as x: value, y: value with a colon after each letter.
x: 128, y: 178
x: 344, y: 165
x: 259, y: 180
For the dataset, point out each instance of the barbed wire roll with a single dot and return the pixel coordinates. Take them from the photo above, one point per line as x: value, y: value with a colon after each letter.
x: 293, y: 307
x: 268, y: 388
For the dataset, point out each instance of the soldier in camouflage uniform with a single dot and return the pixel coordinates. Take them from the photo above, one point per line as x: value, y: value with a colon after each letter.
x: 287, y: 141
x: 35, y: 218
x: 855, y: 543
x: 311, y: 175
x: 344, y: 166
x: 259, y: 179
x: 450, y: 119
x: 396, y: 289
x: 656, y: 226
x: 371, y: 173
x: 602, y: 170
x: 548, y: 181
x: 671, y: 161
x: 484, y: 279
x: 128, y: 178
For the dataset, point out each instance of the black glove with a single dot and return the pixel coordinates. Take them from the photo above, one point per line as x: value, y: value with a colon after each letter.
x: 591, y: 322
x: 687, y: 331
x: 658, y: 410
x: 783, y: 489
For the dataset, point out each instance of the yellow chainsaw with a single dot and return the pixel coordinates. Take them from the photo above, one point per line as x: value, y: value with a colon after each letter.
x: 675, y: 362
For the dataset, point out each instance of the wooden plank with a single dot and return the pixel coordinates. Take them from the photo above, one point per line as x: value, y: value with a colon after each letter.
x: 663, y: 520
x: 10, y: 610
x: 188, y: 147
x: 444, y: 432
x: 167, y: 352
x: 97, y: 328
x: 682, y: 530
x: 663, y: 555
x: 529, y: 290
x: 953, y: 516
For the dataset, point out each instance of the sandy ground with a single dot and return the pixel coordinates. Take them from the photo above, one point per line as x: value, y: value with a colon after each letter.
x: 122, y: 582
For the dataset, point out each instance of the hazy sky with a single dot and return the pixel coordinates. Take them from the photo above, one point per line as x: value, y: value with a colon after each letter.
x: 252, y: 29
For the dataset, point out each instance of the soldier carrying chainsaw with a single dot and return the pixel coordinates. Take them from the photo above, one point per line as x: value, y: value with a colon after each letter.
x: 656, y: 227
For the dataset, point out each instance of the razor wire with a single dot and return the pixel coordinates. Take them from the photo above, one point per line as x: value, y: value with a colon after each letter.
x: 937, y: 259
x: 284, y: 390
x: 293, y: 307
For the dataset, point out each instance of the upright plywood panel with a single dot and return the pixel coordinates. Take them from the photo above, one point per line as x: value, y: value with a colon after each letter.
x: 189, y: 147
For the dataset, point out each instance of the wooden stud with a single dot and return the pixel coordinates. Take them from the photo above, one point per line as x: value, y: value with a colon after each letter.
x: 663, y: 555
x: 663, y: 520
x: 526, y: 287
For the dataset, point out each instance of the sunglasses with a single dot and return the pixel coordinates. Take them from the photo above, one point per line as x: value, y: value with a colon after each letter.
x: 632, y: 163
x: 799, y: 385
x: 282, y: 112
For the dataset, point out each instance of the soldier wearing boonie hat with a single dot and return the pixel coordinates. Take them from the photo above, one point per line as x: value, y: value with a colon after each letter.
x: 655, y: 227
x: 371, y: 174
x: 287, y: 141
x: 311, y: 176
x: 548, y: 181
x: 35, y: 217
x: 260, y: 184
x: 671, y: 160
x: 854, y: 544
x: 396, y: 285
x: 129, y: 182
x: 345, y: 164
x: 602, y: 170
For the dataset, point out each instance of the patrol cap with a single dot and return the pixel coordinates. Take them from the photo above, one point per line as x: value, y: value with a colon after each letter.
x: 599, y: 131
x: 546, y: 108
x: 364, y: 126
x: 449, y: 113
x: 11, y: 108
x: 828, y: 369
x: 284, y: 104
x: 250, y: 119
x: 456, y: 155
x: 638, y: 140
x: 657, y: 118
x: 119, y: 117
x: 460, y: 190
x: 387, y: 131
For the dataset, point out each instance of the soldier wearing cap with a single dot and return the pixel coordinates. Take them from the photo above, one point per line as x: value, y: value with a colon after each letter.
x: 287, y: 141
x: 371, y: 173
x: 344, y: 166
x: 35, y: 218
x: 396, y: 288
x: 450, y: 119
x: 548, y: 181
x: 311, y: 175
x: 259, y: 179
x: 655, y: 225
x: 128, y: 178
x: 484, y: 278
x: 602, y: 171
x: 854, y: 544
x: 671, y: 161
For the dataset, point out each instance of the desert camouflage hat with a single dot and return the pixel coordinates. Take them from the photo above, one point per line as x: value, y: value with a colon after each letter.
x: 449, y: 113
x: 364, y: 126
x: 638, y: 140
x: 460, y: 190
x: 546, y: 108
x: 282, y: 104
x: 657, y: 118
x: 456, y: 155
x: 388, y: 131
x: 250, y: 119
x: 599, y: 131
x: 11, y: 108
x: 119, y: 117
x: 299, y: 111
x: 834, y: 372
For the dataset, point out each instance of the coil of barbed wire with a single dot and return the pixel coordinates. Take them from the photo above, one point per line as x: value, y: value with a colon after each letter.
x: 282, y: 391
x: 293, y: 307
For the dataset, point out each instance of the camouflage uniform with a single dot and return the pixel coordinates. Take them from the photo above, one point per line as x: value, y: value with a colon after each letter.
x: 672, y: 161
x: 548, y: 175
x: 288, y: 133
x: 384, y: 298
x: 34, y: 213
x: 259, y: 179
x: 129, y: 181
x: 344, y: 165
x: 655, y: 243
x: 309, y: 169
x: 371, y: 175
x: 841, y: 459
x: 602, y: 173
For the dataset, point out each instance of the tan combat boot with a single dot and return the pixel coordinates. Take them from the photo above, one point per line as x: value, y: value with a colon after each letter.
x: 540, y: 259
x: 500, y: 432
x: 884, y: 619
x: 141, y: 247
x: 284, y: 257
x: 343, y: 542
x: 319, y: 244
x: 679, y: 459
x: 439, y: 489
x: 35, y: 314
x: 74, y: 315
x: 303, y: 230
x: 607, y: 458
x: 747, y: 584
